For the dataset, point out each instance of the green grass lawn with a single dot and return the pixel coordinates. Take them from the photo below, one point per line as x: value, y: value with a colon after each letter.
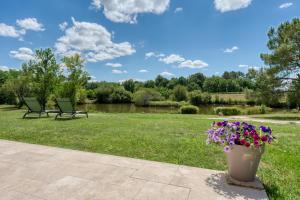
x: 172, y: 138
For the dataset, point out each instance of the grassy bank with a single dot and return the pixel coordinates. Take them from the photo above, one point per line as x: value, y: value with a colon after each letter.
x: 169, y: 138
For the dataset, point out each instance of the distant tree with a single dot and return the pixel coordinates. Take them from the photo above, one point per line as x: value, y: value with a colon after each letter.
x: 196, y: 81
x: 161, y: 81
x: 232, y: 75
x: 182, y: 81
x: 76, y: 78
x: 149, y: 84
x: 44, y: 73
x: 129, y: 85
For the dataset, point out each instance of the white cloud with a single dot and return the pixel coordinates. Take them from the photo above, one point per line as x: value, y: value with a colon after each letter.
x: 10, y: 31
x: 179, y: 9
x: 96, y: 4
x: 230, y: 5
x: 231, y: 50
x: 173, y: 58
x: 4, y: 68
x: 116, y: 71
x: 152, y: 54
x: 248, y: 67
x: 63, y: 26
x: 143, y: 71
x: 114, y: 64
x: 30, y: 24
x: 243, y: 66
x: 92, y: 41
x: 286, y: 5
x: 126, y: 11
x: 23, y: 54
x: 166, y: 74
x: 196, y: 64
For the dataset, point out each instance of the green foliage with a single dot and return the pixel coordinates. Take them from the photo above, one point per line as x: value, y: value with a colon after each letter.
x: 220, y: 84
x: 76, y: 79
x: 103, y: 94
x: 91, y: 94
x: 257, y: 110
x: 43, y: 73
x: 180, y: 93
x: 294, y: 94
x: 189, y: 109
x: 284, y: 43
x: 196, y: 81
x: 161, y: 81
x: 121, y: 96
x: 144, y: 96
x: 149, y: 84
x: 227, y: 111
x: 195, y: 97
x: 129, y: 85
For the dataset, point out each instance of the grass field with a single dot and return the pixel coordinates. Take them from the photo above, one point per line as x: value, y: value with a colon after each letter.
x: 169, y: 138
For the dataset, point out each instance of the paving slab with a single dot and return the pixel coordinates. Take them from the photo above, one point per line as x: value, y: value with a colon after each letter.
x: 36, y: 172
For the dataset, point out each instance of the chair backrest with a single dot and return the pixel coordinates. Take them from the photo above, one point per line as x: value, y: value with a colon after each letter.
x: 65, y: 105
x: 33, y: 104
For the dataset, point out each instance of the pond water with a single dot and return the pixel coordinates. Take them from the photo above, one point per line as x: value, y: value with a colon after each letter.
x: 131, y: 108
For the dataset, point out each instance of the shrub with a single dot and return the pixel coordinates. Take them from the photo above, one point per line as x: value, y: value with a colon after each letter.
x: 81, y: 96
x: 103, y: 94
x: 227, y: 111
x: 91, y: 94
x: 189, y: 109
x: 257, y: 110
x: 206, y: 98
x: 195, y: 97
x: 180, y: 93
x: 144, y: 96
x: 121, y: 96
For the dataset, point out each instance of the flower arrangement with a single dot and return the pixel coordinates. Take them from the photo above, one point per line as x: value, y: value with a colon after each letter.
x: 228, y: 134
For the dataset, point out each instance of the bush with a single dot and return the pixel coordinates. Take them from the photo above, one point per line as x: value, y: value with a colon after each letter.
x: 180, y: 93
x: 227, y: 111
x: 121, y: 96
x: 81, y: 96
x: 91, y: 94
x: 206, y: 98
x: 189, y: 109
x: 144, y: 96
x: 257, y: 110
x: 103, y: 94
x: 195, y: 97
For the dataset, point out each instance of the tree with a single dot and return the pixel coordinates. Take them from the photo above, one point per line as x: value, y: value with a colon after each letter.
x: 196, y: 81
x: 284, y: 44
x: 44, y: 74
x: 267, y: 89
x: 129, y: 85
x: 77, y: 77
x: 149, y: 84
x: 161, y: 81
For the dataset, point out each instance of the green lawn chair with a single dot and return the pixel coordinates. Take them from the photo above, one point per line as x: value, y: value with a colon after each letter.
x: 34, y: 106
x: 66, y: 107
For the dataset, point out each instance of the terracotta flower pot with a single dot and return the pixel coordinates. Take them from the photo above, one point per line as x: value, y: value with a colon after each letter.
x: 243, y: 162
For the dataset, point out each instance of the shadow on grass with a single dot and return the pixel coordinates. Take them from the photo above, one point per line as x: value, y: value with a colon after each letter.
x: 273, y: 191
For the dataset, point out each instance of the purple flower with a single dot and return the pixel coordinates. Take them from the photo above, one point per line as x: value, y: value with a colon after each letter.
x: 226, y: 149
x: 265, y: 129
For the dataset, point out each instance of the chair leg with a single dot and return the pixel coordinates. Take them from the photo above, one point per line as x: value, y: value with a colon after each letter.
x: 25, y: 115
x: 58, y: 114
x: 47, y: 114
x: 87, y: 115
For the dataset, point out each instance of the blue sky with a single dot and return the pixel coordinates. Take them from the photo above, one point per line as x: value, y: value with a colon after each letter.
x: 139, y: 39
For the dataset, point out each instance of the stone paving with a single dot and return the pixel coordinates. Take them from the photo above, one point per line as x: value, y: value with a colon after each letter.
x: 35, y: 172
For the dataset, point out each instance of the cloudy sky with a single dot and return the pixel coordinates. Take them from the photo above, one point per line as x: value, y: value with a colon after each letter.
x: 139, y: 39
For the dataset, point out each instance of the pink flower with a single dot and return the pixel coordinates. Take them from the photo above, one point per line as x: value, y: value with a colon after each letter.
x: 264, y: 138
x: 247, y: 144
x: 243, y: 141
